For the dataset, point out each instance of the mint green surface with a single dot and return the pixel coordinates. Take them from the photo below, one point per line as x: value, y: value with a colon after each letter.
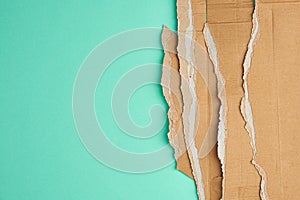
x: 42, y: 45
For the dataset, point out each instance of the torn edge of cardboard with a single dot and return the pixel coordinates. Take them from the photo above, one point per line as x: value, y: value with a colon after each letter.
x: 189, y: 134
x: 170, y: 81
x: 222, y: 130
x: 246, y: 108
x: 190, y: 111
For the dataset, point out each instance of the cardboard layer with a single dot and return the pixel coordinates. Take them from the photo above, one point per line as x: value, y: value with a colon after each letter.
x: 238, y: 84
x: 274, y: 91
x: 199, y: 98
x: 171, y: 89
x: 231, y: 25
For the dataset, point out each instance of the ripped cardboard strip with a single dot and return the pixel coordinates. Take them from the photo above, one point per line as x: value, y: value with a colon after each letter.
x: 246, y: 108
x: 222, y: 132
x: 230, y: 35
x: 230, y: 25
x: 171, y: 88
x: 190, y: 106
x: 199, y: 93
x: 171, y: 82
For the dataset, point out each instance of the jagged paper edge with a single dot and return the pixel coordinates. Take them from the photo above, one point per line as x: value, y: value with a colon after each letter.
x: 246, y: 108
x: 222, y: 126
x: 170, y: 75
x: 190, y: 117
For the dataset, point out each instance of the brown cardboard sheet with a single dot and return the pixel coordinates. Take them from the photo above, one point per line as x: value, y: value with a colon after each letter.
x: 241, y: 61
x: 200, y: 101
x: 274, y: 92
x: 171, y: 89
x: 231, y: 24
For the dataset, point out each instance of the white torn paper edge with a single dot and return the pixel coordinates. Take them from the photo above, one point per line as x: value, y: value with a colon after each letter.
x: 222, y: 130
x: 190, y: 133
x: 170, y: 79
x: 246, y: 109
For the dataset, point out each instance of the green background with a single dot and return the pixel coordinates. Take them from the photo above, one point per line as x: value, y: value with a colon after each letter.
x: 42, y: 45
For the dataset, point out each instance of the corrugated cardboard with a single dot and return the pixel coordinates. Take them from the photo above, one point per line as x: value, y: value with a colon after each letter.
x: 253, y: 50
x: 171, y: 84
x: 206, y: 99
x: 274, y: 91
x: 171, y: 89
x: 231, y: 25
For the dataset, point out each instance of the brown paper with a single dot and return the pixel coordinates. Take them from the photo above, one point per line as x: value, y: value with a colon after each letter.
x: 247, y: 71
x: 274, y: 93
x: 171, y: 89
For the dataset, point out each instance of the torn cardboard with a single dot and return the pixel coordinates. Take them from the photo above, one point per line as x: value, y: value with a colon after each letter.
x: 274, y: 93
x: 250, y: 55
x: 246, y: 108
x: 222, y: 124
x: 231, y: 25
x: 197, y: 69
x: 209, y: 79
x: 171, y: 89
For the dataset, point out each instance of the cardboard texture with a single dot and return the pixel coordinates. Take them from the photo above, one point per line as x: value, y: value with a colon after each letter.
x: 231, y: 26
x: 274, y: 91
x: 206, y: 171
x: 234, y: 97
x: 171, y: 89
